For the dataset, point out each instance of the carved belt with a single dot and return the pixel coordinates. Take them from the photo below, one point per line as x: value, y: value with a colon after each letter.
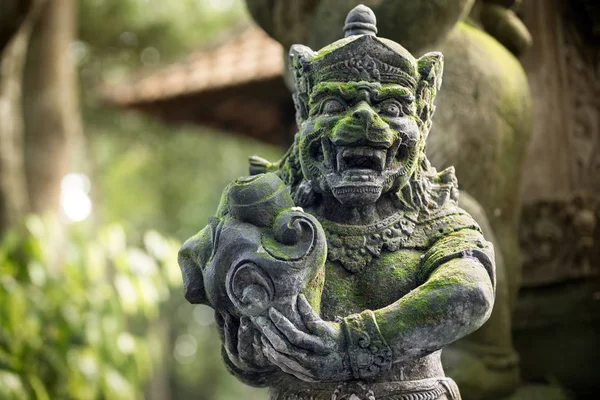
x: 425, y: 389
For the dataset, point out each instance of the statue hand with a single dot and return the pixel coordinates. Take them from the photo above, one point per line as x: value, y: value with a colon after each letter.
x: 243, y: 345
x: 314, y: 356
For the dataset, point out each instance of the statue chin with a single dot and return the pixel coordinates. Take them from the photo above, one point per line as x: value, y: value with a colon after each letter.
x: 357, y: 196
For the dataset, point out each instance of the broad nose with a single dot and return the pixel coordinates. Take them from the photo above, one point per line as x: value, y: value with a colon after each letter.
x: 364, y: 114
x: 375, y: 131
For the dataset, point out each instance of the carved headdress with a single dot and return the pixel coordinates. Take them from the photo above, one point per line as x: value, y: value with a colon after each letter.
x: 362, y: 56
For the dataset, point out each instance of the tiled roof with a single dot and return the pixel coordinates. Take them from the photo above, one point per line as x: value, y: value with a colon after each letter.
x: 251, y: 56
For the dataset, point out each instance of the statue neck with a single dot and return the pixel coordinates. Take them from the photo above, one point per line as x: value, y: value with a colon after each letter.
x: 331, y: 209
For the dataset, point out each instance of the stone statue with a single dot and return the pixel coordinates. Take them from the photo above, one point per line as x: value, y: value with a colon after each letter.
x: 341, y: 271
x: 484, y: 119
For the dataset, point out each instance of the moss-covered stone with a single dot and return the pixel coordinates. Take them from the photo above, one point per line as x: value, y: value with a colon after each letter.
x: 406, y: 271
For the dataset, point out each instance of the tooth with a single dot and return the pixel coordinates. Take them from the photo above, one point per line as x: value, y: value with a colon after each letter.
x: 327, y: 152
x: 381, y: 160
x: 391, y: 153
x: 341, y: 165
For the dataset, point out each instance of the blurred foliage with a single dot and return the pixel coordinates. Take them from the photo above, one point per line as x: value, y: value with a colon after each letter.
x: 146, y: 175
x: 151, y: 176
x: 103, y: 324
x: 171, y: 178
x: 171, y: 27
x: 74, y: 325
x: 117, y: 36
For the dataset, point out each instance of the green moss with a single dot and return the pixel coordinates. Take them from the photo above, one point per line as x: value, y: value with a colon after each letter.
x: 314, y: 288
x: 332, y: 47
x: 277, y: 249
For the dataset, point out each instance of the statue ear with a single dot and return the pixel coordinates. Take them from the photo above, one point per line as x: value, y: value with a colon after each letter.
x: 431, y: 67
x: 299, y: 65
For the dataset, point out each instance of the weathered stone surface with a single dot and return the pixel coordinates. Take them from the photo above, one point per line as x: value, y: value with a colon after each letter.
x: 484, y: 118
x: 354, y: 295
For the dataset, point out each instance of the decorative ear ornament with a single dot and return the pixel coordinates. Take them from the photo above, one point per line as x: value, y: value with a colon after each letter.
x: 299, y: 65
x: 431, y: 68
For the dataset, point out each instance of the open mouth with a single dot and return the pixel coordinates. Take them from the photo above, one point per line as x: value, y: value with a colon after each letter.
x: 363, y: 159
x: 357, y: 174
x: 350, y: 160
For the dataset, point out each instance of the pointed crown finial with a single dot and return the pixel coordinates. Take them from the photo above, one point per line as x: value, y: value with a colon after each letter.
x: 361, y: 20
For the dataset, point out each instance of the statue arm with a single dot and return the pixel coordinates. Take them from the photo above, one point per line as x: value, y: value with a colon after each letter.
x: 455, y: 298
x: 417, y: 24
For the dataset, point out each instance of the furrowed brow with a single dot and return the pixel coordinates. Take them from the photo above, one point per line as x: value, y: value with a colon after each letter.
x: 324, y: 90
x: 345, y: 90
x: 394, y: 91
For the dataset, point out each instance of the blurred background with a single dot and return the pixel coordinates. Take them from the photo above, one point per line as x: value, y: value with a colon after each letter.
x: 121, y: 121
x: 91, y: 304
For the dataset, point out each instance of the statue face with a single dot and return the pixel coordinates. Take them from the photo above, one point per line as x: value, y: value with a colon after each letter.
x: 360, y: 140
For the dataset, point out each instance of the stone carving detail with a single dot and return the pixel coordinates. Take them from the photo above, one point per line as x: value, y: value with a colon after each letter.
x: 582, y: 83
x: 355, y: 248
x: 369, y: 352
x: 559, y: 240
x: 354, y: 295
x: 341, y: 393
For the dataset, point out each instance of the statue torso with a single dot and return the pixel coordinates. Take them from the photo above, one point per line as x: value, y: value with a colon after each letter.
x: 373, y: 266
x: 385, y: 280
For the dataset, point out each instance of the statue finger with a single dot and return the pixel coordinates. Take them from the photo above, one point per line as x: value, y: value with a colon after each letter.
x: 285, y: 363
x: 219, y: 319
x: 245, y: 339
x: 259, y: 357
x: 277, y: 340
x: 295, y: 335
x: 245, y: 324
x: 311, y: 319
x: 230, y: 342
x: 229, y: 337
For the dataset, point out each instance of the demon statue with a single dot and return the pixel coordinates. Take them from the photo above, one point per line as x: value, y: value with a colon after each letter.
x: 341, y: 271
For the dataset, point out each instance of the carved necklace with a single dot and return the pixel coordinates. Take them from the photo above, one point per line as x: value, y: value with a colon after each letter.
x: 355, y: 246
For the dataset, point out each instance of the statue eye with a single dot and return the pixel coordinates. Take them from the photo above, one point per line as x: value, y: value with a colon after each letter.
x: 390, y: 109
x: 333, y: 106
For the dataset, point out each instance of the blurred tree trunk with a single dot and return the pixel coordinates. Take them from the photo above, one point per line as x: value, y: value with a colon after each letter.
x: 16, y: 21
x: 52, y: 118
x: 12, y: 15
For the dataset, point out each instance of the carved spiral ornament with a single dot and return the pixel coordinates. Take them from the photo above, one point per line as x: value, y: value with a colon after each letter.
x: 293, y: 237
x: 250, y: 289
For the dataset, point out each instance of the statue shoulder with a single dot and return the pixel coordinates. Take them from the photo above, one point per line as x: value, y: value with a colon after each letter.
x: 449, y: 214
x: 430, y: 227
x: 453, y: 233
